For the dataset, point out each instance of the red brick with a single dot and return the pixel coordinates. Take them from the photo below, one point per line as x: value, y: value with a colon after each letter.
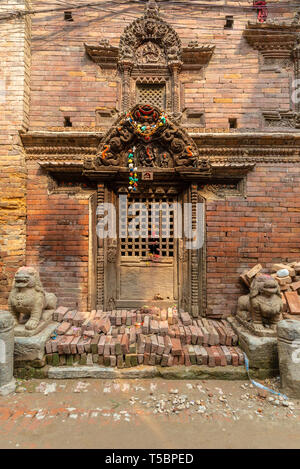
x: 176, y: 346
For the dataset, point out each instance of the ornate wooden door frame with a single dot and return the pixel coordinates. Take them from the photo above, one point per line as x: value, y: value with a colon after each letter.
x: 191, y: 264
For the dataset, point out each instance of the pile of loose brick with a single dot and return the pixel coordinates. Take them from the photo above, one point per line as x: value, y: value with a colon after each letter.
x: 289, y: 284
x: 148, y: 336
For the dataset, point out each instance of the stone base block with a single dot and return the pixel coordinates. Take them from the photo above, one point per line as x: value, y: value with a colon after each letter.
x: 33, y: 348
x: 21, y: 331
x: 289, y: 356
x: 262, y: 352
x: 8, y: 388
x: 145, y: 372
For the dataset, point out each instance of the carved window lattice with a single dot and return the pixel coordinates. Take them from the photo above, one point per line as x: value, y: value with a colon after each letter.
x: 160, y: 232
x: 154, y: 94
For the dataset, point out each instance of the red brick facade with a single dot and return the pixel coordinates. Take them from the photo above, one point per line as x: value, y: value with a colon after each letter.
x: 57, y: 239
x: 65, y: 82
x: 259, y: 225
x: 262, y: 228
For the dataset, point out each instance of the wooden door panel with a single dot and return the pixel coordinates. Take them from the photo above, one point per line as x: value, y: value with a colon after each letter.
x: 141, y: 281
x: 140, y: 277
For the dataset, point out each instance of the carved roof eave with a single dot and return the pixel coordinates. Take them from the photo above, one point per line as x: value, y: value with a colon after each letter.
x: 196, y: 57
x: 217, y: 170
x: 227, y: 153
x: 193, y: 58
x: 272, y: 39
x: 92, y: 136
x: 104, y: 55
x: 62, y: 166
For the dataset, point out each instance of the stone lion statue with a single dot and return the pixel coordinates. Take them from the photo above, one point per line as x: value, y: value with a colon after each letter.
x: 263, y: 306
x: 28, y: 298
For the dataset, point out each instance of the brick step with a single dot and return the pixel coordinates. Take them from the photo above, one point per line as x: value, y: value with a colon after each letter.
x: 148, y: 336
x: 191, y: 355
x: 190, y: 331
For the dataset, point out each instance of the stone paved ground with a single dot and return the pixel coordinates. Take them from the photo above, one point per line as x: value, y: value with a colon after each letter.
x: 146, y: 414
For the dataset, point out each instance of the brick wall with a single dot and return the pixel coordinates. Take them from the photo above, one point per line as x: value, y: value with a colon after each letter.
x: 14, y: 100
x: 65, y: 82
x: 262, y: 228
x: 58, y: 239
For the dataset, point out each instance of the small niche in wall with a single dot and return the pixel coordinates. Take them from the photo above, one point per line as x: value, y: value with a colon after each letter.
x: 68, y: 16
x: 105, y: 117
x: 232, y: 121
x: 67, y: 121
x: 228, y: 22
x: 193, y: 118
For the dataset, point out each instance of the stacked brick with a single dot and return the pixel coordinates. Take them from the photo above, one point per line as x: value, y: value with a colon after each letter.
x: 147, y: 336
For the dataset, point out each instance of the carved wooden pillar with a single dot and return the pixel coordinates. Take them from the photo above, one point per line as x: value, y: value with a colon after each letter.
x: 126, y: 67
x: 100, y: 251
x: 296, y: 58
x: 111, y: 257
x: 202, y: 262
x: 194, y: 256
x: 175, y: 69
x: 183, y: 260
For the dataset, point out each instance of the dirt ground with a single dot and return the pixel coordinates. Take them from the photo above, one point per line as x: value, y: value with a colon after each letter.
x: 151, y: 414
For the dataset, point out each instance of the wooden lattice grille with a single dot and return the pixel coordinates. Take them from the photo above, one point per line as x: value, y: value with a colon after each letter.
x: 152, y: 94
x: 158, y: 227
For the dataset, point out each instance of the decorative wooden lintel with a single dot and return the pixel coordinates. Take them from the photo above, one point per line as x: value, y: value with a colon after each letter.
x: 103, y: 54
x: 196, y: 55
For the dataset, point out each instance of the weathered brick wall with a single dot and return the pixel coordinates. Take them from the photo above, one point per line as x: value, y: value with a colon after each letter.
x: 262, y: 228
x: 14, y: 100
x: 65, y: 82
x: 58, y: 239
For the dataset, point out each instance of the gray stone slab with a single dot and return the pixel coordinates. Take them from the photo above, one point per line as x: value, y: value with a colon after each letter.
x: 139, y: 372
x: 289, y: 356
x: 70, y: 372
x: 262, y: 352
x: 148, y: 372
x: 6, y: 353
x: 8, y: 388
x: 96, y: 371
x: 33, y: 348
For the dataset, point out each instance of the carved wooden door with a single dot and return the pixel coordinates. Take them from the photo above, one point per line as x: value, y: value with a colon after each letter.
x: 147, y: 264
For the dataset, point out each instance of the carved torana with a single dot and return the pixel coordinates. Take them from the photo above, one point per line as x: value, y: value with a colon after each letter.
x: 158, y: 141
x: 150, y: 40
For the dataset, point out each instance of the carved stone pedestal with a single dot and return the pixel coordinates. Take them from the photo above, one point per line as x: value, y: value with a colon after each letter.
x: 289, y: 356
x: 261, y: 351
x: 7, y: 381
x: 21, y: 331
x: 33, y: 348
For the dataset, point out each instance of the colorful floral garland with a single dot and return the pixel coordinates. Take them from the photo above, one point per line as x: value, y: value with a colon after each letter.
x: 147, y: 130
x: 133, y: 179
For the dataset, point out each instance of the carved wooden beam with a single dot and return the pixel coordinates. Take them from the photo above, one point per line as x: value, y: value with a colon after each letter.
x: 103, y: 54
x: 195, y: 55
